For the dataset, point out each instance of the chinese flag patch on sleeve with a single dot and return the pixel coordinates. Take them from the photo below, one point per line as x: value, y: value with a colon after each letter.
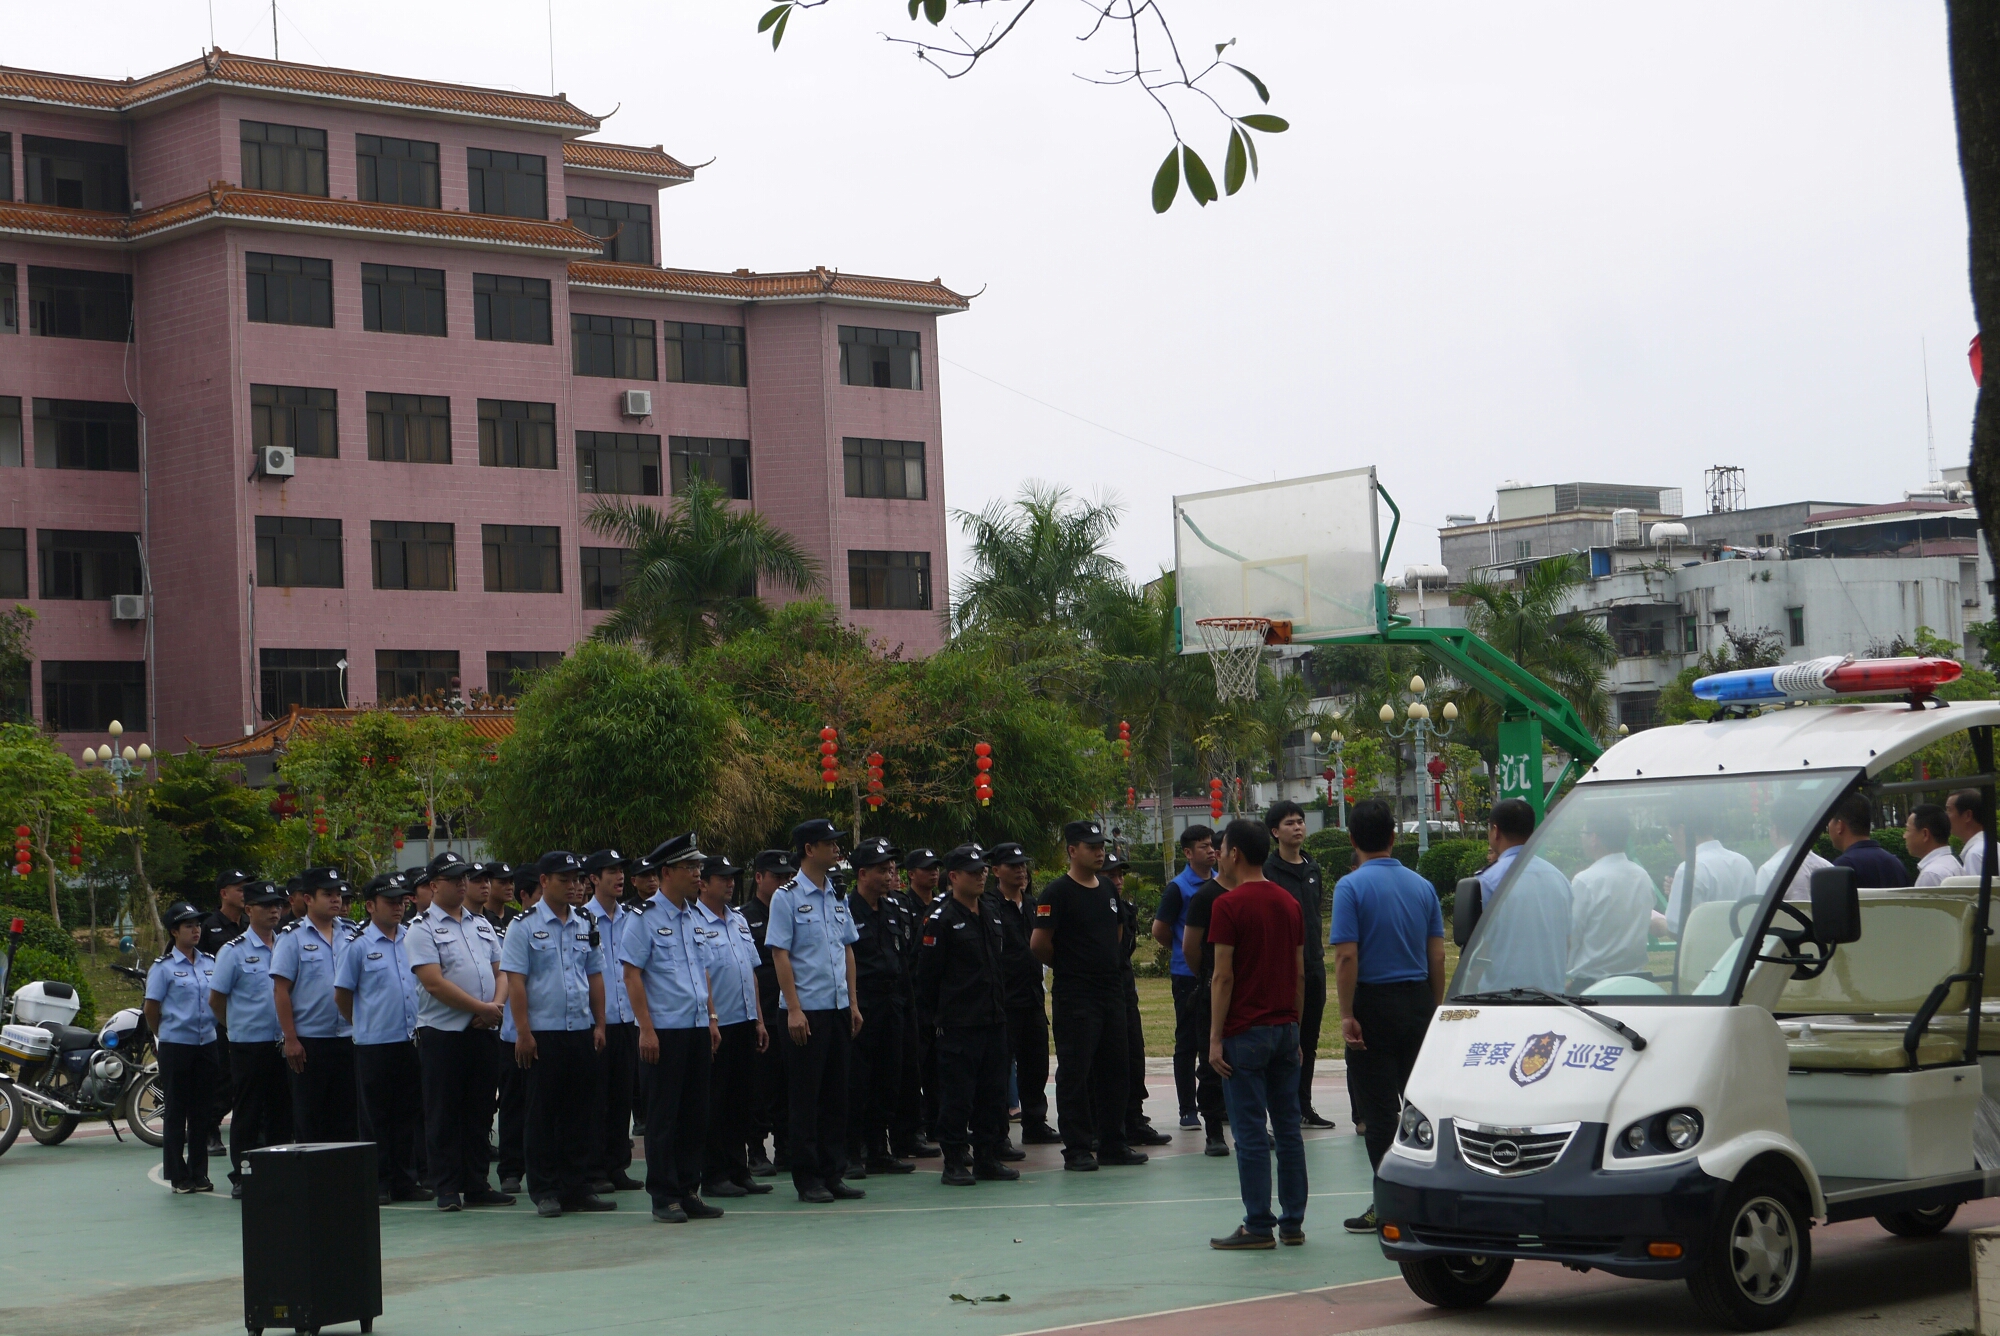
x: 930, y: 941
x: 1044, y: 911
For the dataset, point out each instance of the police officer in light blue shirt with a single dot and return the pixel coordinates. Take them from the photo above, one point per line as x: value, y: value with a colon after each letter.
x: 618, y: 1065
x: 177, y: 988
x: 554, y: 962
x: 374, y: 988
x: 317, y: 1038
x: 260, y: 1105
x: 729, y: 950
x: 454, y: 952
x: 811, y: 936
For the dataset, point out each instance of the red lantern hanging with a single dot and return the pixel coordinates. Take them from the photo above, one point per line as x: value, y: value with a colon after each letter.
x: 1350, y: 779
x: 1131, y: 797
x: 982, y: 783
x: 23, y: 858
x: 875, y: 763
x: 829, y: 757
x: 1124, y: 740
x: 1215, y: 799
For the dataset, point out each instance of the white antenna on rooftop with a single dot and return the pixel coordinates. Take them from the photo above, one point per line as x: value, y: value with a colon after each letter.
x: 1930, y: 440
x: 274, y: 29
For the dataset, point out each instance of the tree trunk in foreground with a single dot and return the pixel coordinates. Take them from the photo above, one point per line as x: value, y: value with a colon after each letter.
x: 1974, y: 42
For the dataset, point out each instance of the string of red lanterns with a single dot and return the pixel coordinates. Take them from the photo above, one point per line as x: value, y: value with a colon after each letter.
x: 982, y: 784
x: 829, y: 757
x: 1215, y: 799
x: 23, y: 857
x: 76, y: 846
x: 1124, y: 740
x: 875, y: 799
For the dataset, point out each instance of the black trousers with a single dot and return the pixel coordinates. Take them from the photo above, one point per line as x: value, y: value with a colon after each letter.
x: 677, y: 1116
x: 816, y: 1082
x: 1310, y: 1020
x: 1188, y: 1045
x: 916, y: 1090
x: 323, y: 1101
x: 389, y: 1085
x: 188, y: 1077
x: 612, y: 1092
x: 1193, y: 1019
x: 260, y: 1100
x: 558, y: 1151
x: 770, y: 1110
x: 457, y: 1082
x: 512, y: 1098
x: 1028, y: 1046
x: 874, y: 1074
x: 1135, y: 1060
x: 1394, y: 1018
x: 732, y: 1090
x: 222, y: 1100
x: 1090, y: 1069
x: 972, y: 1091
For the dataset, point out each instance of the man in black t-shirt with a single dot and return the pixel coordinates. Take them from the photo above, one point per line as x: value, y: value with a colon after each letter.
x: 1027, y: 1020
x: 1292, y: 868
x: 1194, y: 948
x: 1079, y: 933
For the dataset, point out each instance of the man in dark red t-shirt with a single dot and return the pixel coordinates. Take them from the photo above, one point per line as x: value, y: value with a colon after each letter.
x: 1257, y: 936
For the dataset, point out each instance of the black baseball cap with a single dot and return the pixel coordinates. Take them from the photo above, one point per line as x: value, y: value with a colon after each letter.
x: 263, y: 893
x: 556, y: 861
x: 319, y: 879
x: 603, y: 860
x: 1083, y: 832
x: 774, y: 860
x: 872, y: 852
x: 1115, y: 862
x: 526, y: 878
x: 719, y: 866
x: 816, y: 831
x: 393, y: 885
x: 447, y: 865
x: 965, y: 858
x: 234, y: 877
x: 181, y: 913
x: 920, y: 859
x: 1005, y: 855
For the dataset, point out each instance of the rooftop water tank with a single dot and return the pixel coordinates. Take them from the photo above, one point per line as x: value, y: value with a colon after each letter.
x: 1625, y: 530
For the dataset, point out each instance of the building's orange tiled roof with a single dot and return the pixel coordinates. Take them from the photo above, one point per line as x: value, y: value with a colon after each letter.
x: 224, y: 69
x: 591, y: 157
x: 222, y: 203
x: 821, y: 284
x: 492, y: 724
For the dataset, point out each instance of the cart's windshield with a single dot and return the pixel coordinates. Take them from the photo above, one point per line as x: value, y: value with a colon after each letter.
x: 1644, y: 890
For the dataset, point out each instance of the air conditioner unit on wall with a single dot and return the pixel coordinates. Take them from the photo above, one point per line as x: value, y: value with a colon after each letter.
x: 638, y: 403
x: 128, y: 607
x: 277, y: 461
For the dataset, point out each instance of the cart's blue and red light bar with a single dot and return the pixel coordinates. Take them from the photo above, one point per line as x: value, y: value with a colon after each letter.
x: 1824, y: 679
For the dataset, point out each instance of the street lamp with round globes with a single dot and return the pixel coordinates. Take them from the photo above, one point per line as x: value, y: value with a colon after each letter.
x: 117, y: 730
x: 1387, y: 714
x: 1420, y: 726
x: 1451, y: 712
x: 1416, y: 685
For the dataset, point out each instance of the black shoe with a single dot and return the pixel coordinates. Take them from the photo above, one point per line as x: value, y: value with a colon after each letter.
x: 816, y: 1193
x: 1080, y: 1163
x: 589, y: 1201
x: 1040, y: 1134
x: 857, y: 1167
x: 1216, y: 1145
x: 413, y: 1194
x: 917, y: 1150
x: 602, y: 1186
x: 670, y: 1215
x: 1009, y: 1151
x: 1147, y: 1135
x: 845, y: 1193
x: 184, y: 1186
x: 624, y: 1182
x: 548, y: 1208
x: 382, y: 1197
x: 995, y: 1172
x: 451, y: 1201
x: 761, y: 1166
x: 215, y: 1147
x: 891, y: 1165
x: 236, y: 1192
x: 724, y: 1189
x: 1242, y: 1241
x: 754, y: 1188
x: 1310, y: 1118
x: 1365, y: 1223
x: 957, y: 1174
x: 1122, y: 1155
x: 486, y: 1197
x: 203, y: 1185
x: 1292, y: 1236
x: 697, y: 1209
x: 510, y: 1185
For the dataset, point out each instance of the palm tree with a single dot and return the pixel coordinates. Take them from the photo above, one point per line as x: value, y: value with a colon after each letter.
x: 1165, y: 696
x: 1039, y: 560
x: 695, y: 569
x: 1530, y: 624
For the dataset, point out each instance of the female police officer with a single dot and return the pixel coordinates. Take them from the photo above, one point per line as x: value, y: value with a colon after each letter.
x: 177, y: 989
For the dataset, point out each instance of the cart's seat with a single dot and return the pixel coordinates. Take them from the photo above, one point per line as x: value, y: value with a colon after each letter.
x: 1911, y: 941
x: 1874, y: 1049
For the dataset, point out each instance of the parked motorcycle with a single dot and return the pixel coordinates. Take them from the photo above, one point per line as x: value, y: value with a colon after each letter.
x: 54, y: 1075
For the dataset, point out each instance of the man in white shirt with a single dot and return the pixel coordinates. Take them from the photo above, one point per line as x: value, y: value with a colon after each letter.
x: 1719, y: 873
x: 1787, y: 819
x: 1611, y: 903
x: 1927, y: 835
x: 1967, y: 810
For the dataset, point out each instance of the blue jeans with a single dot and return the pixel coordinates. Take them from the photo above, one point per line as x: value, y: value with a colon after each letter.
x: 1264, y: 1080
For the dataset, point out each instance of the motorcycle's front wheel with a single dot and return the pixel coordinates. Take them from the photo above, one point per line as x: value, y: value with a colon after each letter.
x: 146, y: 1110
x: 48, y: 1127
x: 10, y: 1116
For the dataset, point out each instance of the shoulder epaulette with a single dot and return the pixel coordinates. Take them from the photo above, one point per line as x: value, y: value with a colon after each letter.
x: 289, y: 927
x: 160, y: 960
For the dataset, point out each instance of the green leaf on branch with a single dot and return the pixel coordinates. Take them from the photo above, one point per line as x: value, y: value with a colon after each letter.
x: 784, y: 13
x: 1250, y: 147
x: 934, y: 11
x: 1270, y: 125
x: 1221, y: 47
x: 771, y: 15
x: 1200, y: 184
x: 915, y: 5
x: 1263, y: 93
x: 1167, y: 181
x: 1235, y: 165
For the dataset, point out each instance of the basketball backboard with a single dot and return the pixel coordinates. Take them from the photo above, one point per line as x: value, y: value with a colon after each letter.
x: 1302, y: 550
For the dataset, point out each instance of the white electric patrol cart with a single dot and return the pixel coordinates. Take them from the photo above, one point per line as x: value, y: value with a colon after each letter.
x: 1676, y: 1039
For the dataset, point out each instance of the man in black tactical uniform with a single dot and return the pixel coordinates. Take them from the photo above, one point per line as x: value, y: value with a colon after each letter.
x: 961, y: 984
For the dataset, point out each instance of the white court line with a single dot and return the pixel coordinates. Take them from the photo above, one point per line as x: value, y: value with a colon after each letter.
x: 1199, y: 1308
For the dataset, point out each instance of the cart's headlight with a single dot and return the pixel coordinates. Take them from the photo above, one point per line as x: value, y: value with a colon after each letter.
x: 1416, y: 1129
x: 1635, y: 1136
x: 1683, y: 1129
x: 1662, y: 1134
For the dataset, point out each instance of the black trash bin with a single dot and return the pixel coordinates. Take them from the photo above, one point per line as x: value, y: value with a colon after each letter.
x: 312, y: 1239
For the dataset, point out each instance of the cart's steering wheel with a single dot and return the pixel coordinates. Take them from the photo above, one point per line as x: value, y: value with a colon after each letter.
x: 1795, y: 939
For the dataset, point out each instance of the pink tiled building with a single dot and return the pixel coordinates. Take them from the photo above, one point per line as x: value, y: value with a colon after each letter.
x: 308, y: 379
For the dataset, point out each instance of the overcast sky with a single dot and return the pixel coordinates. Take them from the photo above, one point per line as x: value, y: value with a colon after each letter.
x: 1551, y: 242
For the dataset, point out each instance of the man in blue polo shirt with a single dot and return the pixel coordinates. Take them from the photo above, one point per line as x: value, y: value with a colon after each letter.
x: 1388, y: 951
x: 318, y: 1041
x: 1169, y: 927
x: 240, y: 996
x: 375, y: 991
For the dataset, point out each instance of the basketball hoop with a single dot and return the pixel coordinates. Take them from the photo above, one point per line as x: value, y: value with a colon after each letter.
x: 1235, y: 645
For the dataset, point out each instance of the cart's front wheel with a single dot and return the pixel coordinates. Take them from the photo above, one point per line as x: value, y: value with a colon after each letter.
x: 1753, y: 1270
x: 1918, y: 1224
x: 1457, y: 1282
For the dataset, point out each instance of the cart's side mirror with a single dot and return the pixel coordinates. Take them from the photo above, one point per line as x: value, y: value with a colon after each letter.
x: 1466, y: 905
x: 1836, y: 906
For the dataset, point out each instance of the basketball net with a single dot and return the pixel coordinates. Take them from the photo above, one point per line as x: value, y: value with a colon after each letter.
x: 1235, y: 646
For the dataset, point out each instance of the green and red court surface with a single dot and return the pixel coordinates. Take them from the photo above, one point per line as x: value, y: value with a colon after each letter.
x: 95, y: 1244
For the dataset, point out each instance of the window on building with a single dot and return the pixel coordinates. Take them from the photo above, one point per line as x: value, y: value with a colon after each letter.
x: 704, y: 354
x: 889, y: 359
x: 1767, y: 540
x: 618, y: 462
x: 889, y: 580
x: 412, y: 674
x: 517, y: 435
x: 1690, y: 635
x: 396, y: 171
x: 508, y: 671
x: 627, y: 229
x: 1795, y: 626
x: 397, y: 299
x: 409, y: 428
x: 1523, y: 548
x: 76, y: 174
x: 86, y: 434
x: 291, y: 158
x: 412, y: 554
x: 893, y: 469
x: 606, y: 572
x: 1638, y: 631
x: 509, y: 309
x: 6, y: 165
x: 612, y: 345
x: 1721, y: 616
x: 1639, y: 712
x: 522, y: 558
x: 310, y: 678
x: 289, y: 289
x: 79, y: 304
x: 296, y: 552
x: 511, y: 183
x: 87, y: 564
x: 725, y: 463
x: 10, y: 300
x: 297, y: 416
x: 83, y: 696
x: 13, y: 563
x: 11, y: 454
